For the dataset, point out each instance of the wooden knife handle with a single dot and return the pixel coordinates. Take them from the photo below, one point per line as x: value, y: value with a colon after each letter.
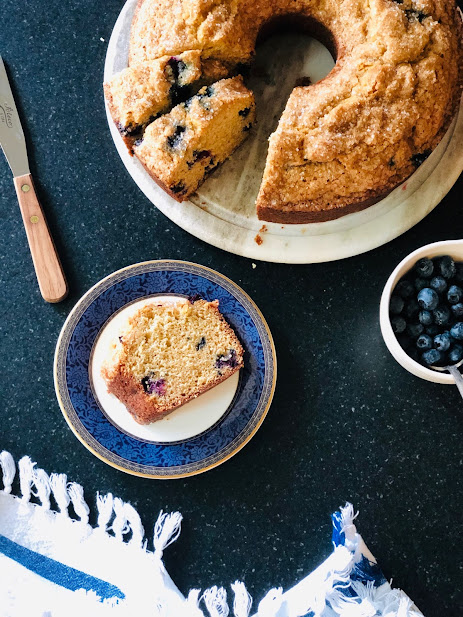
x: 47, y: 266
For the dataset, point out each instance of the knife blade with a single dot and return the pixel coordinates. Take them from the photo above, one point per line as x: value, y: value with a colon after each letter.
x: 11, y: 132
x: 48, y: 270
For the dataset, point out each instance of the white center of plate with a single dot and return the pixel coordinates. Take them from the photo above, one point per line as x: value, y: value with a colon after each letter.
x: 184, y: 423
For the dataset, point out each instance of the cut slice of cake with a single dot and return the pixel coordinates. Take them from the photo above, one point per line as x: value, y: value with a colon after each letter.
x: 180, y: 149
x: 139, y: 94
x: 170, y: 354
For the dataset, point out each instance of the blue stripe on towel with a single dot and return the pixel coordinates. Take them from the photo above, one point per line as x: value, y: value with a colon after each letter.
x: 57, y: 572
x: 338, y: 537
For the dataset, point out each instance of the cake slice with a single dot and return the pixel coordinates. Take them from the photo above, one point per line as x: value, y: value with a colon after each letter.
x: 170, y: 354
x: 139, y: 94
x: 182, y: 147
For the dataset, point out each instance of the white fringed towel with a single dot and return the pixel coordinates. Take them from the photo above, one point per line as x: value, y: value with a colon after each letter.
x: 53, y: 565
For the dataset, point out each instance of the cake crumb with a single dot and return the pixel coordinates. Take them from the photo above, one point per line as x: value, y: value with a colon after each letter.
x: 102, y: 39
x: 263, y: 229
x: 254, y: 266
x: 258, y: 239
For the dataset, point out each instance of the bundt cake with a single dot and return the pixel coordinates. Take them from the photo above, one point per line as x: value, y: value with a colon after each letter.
x: 168, y: 355
x: 181, y: 148
x: 346, y: 141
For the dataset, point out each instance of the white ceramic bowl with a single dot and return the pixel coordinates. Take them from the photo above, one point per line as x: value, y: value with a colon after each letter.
x: 454, y: 248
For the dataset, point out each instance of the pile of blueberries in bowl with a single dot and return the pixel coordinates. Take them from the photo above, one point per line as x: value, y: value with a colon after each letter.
x: 426, y: 311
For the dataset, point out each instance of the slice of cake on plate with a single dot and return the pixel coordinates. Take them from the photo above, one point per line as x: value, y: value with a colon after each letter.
x: 181, y: 148
x: 168, y: 355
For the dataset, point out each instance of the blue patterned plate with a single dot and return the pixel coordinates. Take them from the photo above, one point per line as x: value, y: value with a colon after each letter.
x: 147, y: 457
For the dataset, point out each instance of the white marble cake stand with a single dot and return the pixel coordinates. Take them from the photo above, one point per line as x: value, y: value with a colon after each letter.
x: 222, y: 213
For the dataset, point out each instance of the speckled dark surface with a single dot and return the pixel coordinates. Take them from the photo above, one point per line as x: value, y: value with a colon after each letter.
x: 347, y: 422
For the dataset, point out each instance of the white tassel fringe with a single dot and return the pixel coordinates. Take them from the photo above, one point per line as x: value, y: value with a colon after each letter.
x: 215, y: 599
x: 76, y: 493
x: 58, y: 483
x: 243, y: 600
x: 8, y: 470
x: 166, y: 530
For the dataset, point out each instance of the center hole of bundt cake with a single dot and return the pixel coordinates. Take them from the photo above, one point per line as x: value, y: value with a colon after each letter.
x: 292, y: 50
x: 285, y: 57
x: 298, y: 24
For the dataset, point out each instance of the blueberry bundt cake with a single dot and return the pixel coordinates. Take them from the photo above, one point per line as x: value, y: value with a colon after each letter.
x: 346, y: 141
x: 169, y: 354
x: 181, y: 148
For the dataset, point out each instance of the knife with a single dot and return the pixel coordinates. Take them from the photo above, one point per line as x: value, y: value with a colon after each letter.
x: 47, y: 265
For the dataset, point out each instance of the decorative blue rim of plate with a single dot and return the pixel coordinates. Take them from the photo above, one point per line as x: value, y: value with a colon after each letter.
x: 159, y: 460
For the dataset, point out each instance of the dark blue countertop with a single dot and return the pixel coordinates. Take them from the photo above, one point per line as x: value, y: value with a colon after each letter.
x: 347, y: 422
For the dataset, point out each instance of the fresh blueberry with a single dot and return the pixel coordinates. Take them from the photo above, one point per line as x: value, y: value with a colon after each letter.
x: 454, y: 294
x: 455, y: 354
x: 398, y: 324
x: 396, y: 304
x: 424, y: 341
x: 456, y: 331
x: 424, y: 267
x: 438, y: 283
x: 442, y: 341
x: 431, y: 357
x: 420, y: 283
x: 433, y: 330
x: 404, y: 289
x: 428, y: 299
x: 425, y: 317
x: 411, y: 308
x: 457, y: 309
x: 441, y: 315
x: 415, y: 329
x: 447, y: 267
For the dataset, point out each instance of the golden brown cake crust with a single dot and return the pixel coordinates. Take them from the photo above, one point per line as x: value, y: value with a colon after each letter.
x: 353, y: 137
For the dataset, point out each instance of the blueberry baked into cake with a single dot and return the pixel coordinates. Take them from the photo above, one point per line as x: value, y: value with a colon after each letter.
x: 170, y: 354
x: 346, y: 141
x: 181, y: 148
